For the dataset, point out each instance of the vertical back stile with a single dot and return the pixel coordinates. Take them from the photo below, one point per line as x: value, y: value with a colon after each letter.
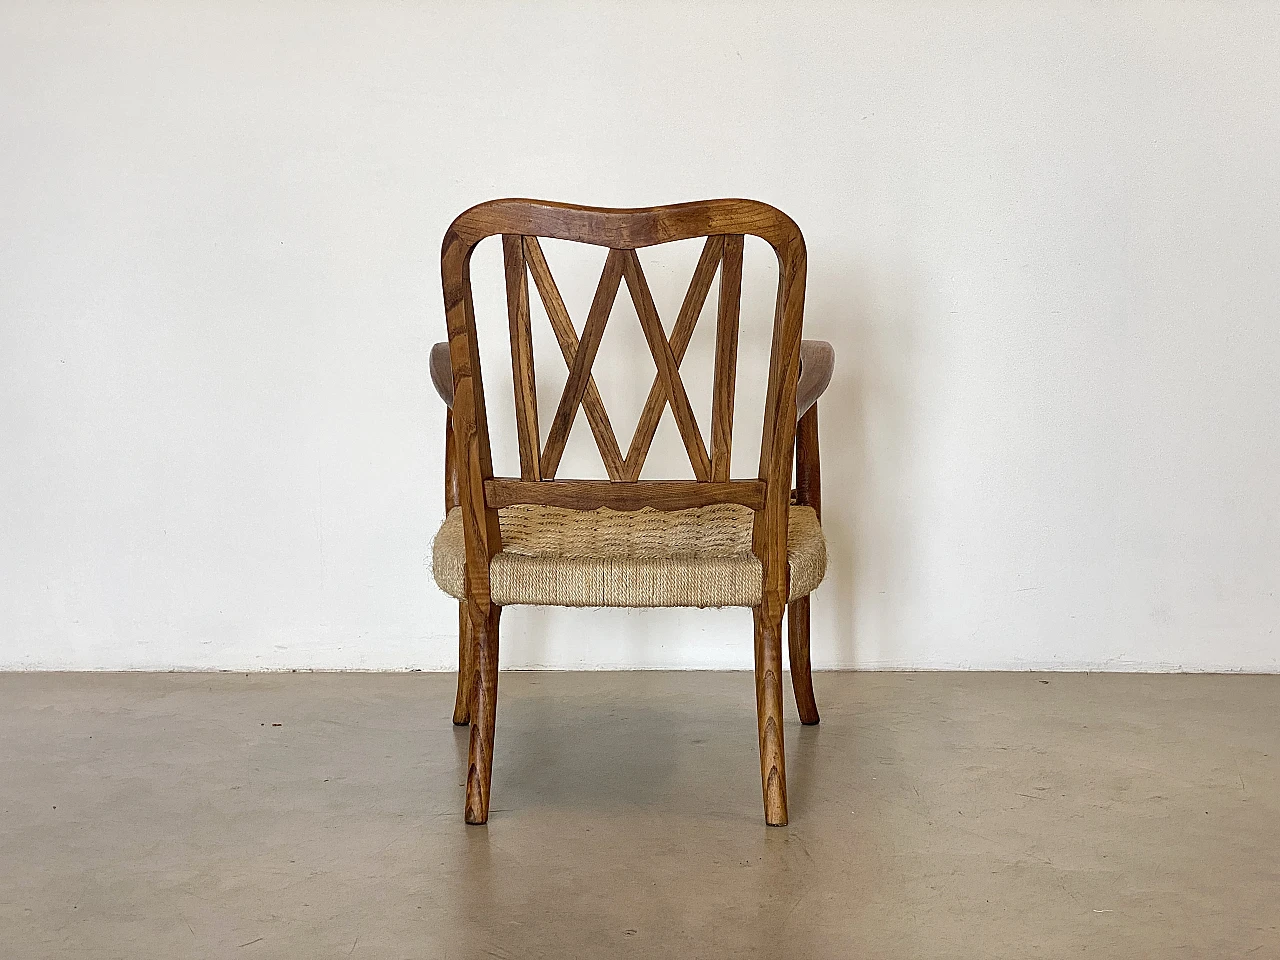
x: 522, y: 373
x: 726, y: 362
x: 777, y: 447
x: 482, y: 534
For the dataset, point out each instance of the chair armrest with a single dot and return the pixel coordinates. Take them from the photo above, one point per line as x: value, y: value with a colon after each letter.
x: 442, y: 373
x: 817, y: 364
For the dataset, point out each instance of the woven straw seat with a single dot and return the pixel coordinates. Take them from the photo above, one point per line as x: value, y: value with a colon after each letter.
x: 637, y: 558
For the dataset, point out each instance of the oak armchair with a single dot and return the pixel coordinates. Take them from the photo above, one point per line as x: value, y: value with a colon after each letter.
x: 712, y: 541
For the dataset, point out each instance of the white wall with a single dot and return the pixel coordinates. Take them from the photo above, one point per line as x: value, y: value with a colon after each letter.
x: 1044, y: 238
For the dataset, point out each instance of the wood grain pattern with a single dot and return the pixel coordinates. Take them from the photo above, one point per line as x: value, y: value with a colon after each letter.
x: 726, y: 363
x: 481, y: 532
x: 623, y: 231
x: 484, y: 712
x: 522, y: 373
x: 466, y: 668
x: 687, y: 319
x: 450, y: 464
x: 576, y: 385
x: 773, y: 767
x: 817, y: 364
x: 809, y: 462
x: 808, y: 492
x: 777, y: 448
x: 567, y: 338
x: 466, y: 660
x: 442, y: 373
x: 593, y: 494
x: 801, y: 667
x: 626, y: 228
x: 769, y: 533
x: 668, y: 367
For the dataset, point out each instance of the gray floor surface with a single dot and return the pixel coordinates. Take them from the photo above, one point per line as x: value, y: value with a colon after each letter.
x: 932, y: 815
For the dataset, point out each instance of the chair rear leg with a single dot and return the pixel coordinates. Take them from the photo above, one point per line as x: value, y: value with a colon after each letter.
x: 466, y: 644
x: 484, y: 705
x: 773, y: 768
x: 466, y: 668
x: 801, y: 671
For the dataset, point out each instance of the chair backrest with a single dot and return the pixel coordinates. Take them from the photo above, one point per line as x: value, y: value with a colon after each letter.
x: 723, y: 223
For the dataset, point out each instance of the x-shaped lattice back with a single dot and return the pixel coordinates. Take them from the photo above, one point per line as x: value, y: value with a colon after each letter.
x: 523, y: 256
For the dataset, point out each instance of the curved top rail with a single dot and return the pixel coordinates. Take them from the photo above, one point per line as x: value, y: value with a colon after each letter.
x: 624, y: 228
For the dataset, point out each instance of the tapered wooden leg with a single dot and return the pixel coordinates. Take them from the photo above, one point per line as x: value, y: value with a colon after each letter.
x: 773, y: 768
x: 466, y: 668
x: 809, y: 493
x: 466, y: 648
x: 484, y: 705
x: 801, y: 672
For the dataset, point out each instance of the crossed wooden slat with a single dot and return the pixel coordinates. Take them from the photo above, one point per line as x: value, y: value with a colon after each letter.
x: 724, y: 252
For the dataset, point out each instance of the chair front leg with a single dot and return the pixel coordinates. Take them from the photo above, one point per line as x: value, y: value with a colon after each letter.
x: 808, y: 493
x: 773, y: 767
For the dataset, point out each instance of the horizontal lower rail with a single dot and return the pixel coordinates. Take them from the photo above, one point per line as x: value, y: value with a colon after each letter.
x: 622, y: 495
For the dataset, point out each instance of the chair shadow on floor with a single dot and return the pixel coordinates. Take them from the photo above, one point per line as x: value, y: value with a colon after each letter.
x: 629, y: 752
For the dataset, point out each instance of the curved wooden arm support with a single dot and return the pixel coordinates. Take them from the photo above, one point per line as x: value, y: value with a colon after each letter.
x: 442, y: 373
x: 817, y: 364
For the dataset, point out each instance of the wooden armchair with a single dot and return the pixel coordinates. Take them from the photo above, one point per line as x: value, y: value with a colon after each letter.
x: 711, y: 541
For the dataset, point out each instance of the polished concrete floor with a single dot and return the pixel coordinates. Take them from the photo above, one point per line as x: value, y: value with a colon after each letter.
x: 932, y: 815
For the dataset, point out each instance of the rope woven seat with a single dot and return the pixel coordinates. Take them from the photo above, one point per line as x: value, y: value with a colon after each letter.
x: 698, y: 557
